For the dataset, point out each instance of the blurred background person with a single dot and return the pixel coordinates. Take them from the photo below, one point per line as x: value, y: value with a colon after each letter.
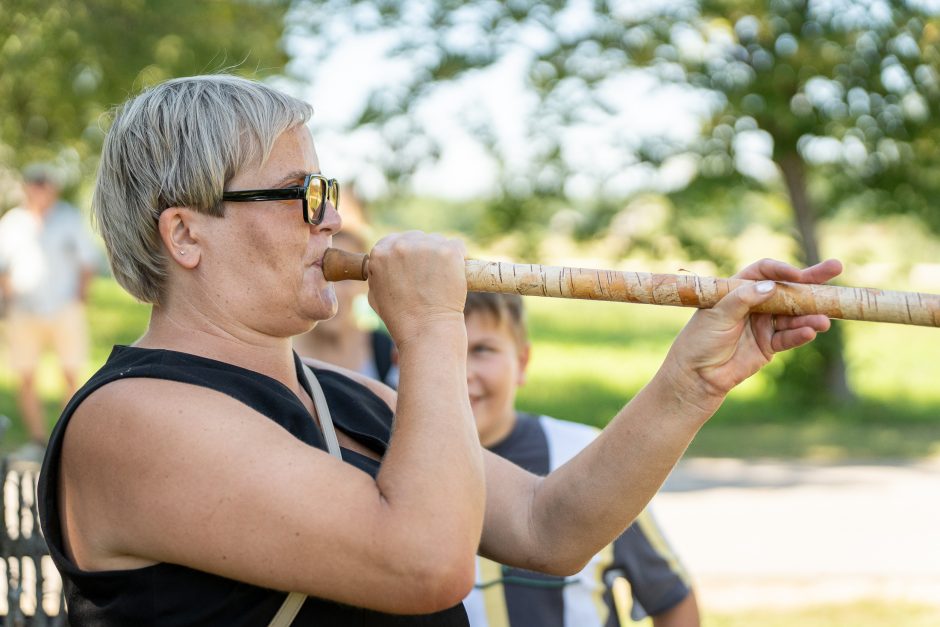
x: 349, y: 339
x: 47, y: 260
x: 639, y: 563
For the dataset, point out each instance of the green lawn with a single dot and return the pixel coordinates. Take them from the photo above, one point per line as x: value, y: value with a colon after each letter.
x: 589, y: 358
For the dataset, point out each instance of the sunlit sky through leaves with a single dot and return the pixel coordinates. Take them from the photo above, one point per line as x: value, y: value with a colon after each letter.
x: 340, y: 81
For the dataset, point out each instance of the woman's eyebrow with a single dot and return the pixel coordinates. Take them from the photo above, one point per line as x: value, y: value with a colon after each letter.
x: 293, y: 176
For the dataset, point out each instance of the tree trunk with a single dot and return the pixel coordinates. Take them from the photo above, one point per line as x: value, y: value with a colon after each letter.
x: 794, y: 175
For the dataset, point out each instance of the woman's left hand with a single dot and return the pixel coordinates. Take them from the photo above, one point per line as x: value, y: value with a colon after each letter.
x: 722, y: 346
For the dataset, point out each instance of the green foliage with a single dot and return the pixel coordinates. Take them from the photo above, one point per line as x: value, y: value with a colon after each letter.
x: 65, y: 62
x: 799, y: 376
x: 844, y: 97
x: 866, y: 75
x: 433, y: 214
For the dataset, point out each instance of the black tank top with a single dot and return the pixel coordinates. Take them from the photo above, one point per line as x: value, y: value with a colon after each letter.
x: 171, y: 595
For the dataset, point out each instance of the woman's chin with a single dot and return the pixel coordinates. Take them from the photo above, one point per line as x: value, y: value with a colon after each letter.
x: 322, y: 305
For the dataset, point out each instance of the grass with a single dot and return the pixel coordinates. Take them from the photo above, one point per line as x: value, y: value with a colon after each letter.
x: 590, y: 357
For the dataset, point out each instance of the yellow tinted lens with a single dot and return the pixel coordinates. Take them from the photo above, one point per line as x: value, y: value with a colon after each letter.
x: 315, y: 195
x: 333, y: 194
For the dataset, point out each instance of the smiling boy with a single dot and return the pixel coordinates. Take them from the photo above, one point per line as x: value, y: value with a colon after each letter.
x: 497, y: 356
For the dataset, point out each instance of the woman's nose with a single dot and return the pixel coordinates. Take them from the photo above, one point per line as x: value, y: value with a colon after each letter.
x: 332, y: 221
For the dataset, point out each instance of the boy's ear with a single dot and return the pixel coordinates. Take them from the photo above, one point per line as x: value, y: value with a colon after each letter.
x: 179, y: 232
x: 523, y: 357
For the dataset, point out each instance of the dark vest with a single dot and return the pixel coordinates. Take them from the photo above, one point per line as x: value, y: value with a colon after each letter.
x: 171, y: 595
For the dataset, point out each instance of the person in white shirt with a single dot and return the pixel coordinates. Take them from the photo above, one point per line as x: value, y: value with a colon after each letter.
x: 47, y: 259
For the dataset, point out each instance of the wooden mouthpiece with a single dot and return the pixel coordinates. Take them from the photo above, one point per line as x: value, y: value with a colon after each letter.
x: 341, y: 265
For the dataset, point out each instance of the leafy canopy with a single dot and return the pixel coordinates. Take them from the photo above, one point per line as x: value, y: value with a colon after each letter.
x: 65, y: 62
x: 852, y: 88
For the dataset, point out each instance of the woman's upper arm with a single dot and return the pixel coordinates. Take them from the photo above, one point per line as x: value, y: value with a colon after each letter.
x: 169, y: 472
x: 510, y: 535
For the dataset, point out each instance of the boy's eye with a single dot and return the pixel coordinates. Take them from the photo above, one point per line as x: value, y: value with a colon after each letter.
x: 481, y: 349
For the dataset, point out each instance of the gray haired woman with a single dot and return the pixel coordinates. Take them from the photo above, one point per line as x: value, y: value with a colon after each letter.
x: 189, y: 483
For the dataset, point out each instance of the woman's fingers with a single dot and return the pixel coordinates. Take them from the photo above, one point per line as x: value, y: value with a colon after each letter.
x: 822, y: 272
x: 415, y: 279
x: 792, y: 331
x: 738, y: 303
x: 818, y: 322
x: 782, y: 333
x: 779, y: 271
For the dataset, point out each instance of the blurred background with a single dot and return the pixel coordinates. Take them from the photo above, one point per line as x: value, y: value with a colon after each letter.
x: 670, y: 136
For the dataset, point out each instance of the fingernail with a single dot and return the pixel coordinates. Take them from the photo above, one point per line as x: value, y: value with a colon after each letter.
x: 765, y: 286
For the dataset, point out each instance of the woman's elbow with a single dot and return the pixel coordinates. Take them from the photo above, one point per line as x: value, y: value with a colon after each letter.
x: 559, y: 565
x: 449, y: 585
x: 441, y: 584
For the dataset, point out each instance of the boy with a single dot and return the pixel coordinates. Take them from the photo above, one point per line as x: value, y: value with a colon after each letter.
x: 497, y: 356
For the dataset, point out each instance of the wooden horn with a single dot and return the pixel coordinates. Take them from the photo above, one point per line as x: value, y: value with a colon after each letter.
x: 677, y: 290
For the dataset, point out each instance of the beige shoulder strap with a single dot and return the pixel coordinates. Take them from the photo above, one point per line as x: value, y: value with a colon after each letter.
x: 323, y: 413
x: 295, y: 600
x: 290, y: 607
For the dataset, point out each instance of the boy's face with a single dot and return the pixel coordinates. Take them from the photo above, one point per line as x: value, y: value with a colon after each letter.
x: 495, y: 369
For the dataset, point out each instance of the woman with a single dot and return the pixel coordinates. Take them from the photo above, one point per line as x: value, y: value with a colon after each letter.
x: 188, y: 484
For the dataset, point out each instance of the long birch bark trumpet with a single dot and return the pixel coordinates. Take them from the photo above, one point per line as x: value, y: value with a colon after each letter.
x: 677, y: 290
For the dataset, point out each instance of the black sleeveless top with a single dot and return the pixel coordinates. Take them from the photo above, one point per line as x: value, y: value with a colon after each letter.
x: 171, y: 595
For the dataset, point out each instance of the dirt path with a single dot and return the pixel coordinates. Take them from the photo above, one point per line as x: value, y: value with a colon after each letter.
x: 790, y: 534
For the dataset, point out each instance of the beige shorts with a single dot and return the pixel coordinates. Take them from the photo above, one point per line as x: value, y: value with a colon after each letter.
x: 64, y: 332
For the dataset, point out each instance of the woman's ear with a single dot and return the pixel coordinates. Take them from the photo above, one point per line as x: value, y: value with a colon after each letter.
x: 180, y: 236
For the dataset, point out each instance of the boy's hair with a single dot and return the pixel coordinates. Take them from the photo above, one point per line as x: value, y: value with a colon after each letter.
x: 178, y: 144
x: 504, y: 308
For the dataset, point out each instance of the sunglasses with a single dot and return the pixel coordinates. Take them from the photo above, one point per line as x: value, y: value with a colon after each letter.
x: 316, y: 191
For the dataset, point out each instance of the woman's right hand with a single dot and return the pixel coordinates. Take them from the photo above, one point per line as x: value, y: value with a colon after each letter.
x: 415, y: 281
x: 722, y: 346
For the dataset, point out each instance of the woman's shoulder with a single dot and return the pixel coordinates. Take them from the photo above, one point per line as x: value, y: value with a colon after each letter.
x: 137, y: 389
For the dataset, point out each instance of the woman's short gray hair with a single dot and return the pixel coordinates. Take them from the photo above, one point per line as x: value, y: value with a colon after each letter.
x: 177, y: 145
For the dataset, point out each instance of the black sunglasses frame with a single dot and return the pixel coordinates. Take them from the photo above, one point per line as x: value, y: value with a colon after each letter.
x: 329, y: 191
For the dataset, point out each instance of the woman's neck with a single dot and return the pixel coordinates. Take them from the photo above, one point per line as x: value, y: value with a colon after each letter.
x: 174, y: 330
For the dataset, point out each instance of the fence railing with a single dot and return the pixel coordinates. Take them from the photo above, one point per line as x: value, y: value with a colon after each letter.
x: 33, y: 594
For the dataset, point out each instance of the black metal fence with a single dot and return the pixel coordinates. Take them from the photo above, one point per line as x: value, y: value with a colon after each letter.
x: 33, y: 596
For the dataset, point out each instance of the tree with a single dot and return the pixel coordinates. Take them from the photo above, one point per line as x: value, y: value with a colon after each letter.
x: 840, y: 97
x: 63, y: 63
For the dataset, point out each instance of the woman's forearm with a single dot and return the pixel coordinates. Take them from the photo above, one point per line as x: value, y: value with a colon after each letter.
x: 433, y: 469
x: 586, y: 503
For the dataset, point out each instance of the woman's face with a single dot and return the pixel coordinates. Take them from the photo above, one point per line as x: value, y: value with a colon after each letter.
x: 263, y: 262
